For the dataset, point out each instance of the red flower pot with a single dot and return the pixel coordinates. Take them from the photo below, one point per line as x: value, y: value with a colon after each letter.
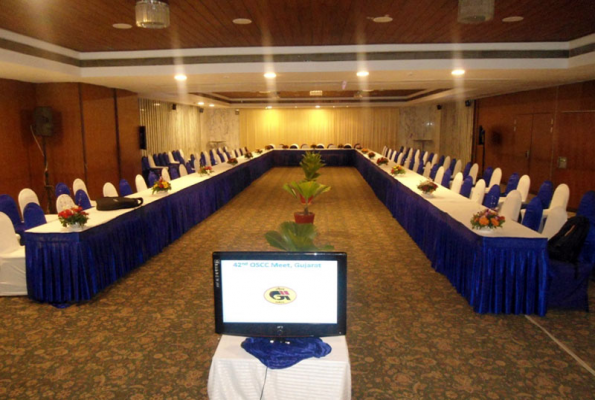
x: 301, y: 218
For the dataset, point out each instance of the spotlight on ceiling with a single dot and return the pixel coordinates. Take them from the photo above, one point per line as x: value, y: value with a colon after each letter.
x: 270, y: 75
x: 458, y: 72
x: 317, y: 106
x: 201, y: 103
x: 475, y: 11
x: 180, y: 77
x: 242, y: 21
x: 152, y: 14
x: 362, y: 73
x: 211, y: 105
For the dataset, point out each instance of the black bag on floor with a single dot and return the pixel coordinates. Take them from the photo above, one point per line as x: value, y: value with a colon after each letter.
x: 117, y: 203
x: 566, y: 245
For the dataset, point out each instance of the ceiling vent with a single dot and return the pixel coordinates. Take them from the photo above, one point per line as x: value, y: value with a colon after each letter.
x: 475, y: 11
x: 315, y: 92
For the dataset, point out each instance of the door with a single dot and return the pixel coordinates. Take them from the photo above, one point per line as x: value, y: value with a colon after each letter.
x: 540, y: 151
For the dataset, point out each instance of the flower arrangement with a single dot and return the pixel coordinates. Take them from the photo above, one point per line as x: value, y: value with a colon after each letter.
x: 248, y: 156
x: 341, y: 145
x: 268, y: 147
x: 428, y: 187
x: 285, y: 147
x: 312, y: 146
x: 382, y: 161
x: 259, y: 151
x: 205, y: 170
x: 365, y: 151
x: 232, y: 161
x: 371, y: 154
x: 73, y: 216
x: 161, y: 186
x: 398, y: 170
x: 487, y: 219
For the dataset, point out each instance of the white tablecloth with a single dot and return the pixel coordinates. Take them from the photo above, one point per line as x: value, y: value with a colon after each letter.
x: 237, y: 375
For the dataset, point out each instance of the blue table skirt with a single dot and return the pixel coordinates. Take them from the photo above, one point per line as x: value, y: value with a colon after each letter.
x: 496, y: 275
x: 73, y: 267
x: 331, y: 157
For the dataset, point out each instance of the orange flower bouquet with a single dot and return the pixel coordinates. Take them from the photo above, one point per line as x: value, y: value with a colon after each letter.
x: 487, y: 219
x: 259, y: 151
x: 268, y: 147
x: 248, y: 155
x: 74, y: 216
x: 365, y: 151
x: 398, y: 170
x: 205, y: 170
x: 428, y: 187
x: 161, y: 186
x: 232, y: 161
x: 371, y: 154
x: 382, y: 161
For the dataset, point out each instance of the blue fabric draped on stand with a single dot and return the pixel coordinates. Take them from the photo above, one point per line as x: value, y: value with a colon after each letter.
x: 279, y: 354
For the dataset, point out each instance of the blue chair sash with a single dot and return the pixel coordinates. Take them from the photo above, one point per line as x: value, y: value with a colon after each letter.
x: 125, y: 188
x: 533, y: 214
x: 33, y: 215
x: 81, y: 198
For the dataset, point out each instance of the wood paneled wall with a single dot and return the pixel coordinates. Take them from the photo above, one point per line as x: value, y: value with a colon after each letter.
x: 93, y: 139
x: 526, y: 133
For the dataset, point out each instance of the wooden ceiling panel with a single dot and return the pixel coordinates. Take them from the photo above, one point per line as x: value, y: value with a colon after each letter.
x: 306, y: 94
x: 87, y: 25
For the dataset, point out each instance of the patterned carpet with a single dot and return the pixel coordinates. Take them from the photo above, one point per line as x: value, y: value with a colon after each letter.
x: 410, y: 335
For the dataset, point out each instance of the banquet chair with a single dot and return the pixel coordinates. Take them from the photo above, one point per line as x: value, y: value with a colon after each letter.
x: 165, y: 175
x: 25, y: 197
x: 399, y: 159
x: 424, y: 158
x: 237, y: 153
x: 479, y: 192
x: 457, y: 167
x: 152, y: 179
x: 415, y: 166
x: 559, y: 199
x: 81, y: 199
x: 420, y: 169
x: 411, y: 164
x: 586, y: 207
x: 432, y: 158
x: 320, y: 146
x: 466, y: 187
x: 427, y: 170
x: 304, y: 146
x: 171, y: 158
x: 533, y: 214
x: 223, y: 157
x: 439, y: 175
x: 555, y: 221
x: 466, y: 170
x: 358, y: 146
x: 189, y: 168
x: 272, y: 145
x: 390, y: 154
x: 396, y: 156
x: 125, y: 188
x: 384, y: 151
x: 434, y: 171
x: 491, y: 198
x: 241, y: 151
x: 457, y: 182
x: 446, y: 163
x: 63, y: 202
x: 331, y: 146
x: 33, y: 215
x: 80, y: 184
x: 495, y: 178
x: 181, y: 153
x: 473, y: 172
x: 204, y: 159
x: 512, y: 184
x: 523, y: 187
x: 173, y: 173
x: 347, y: 146
x: 61, y: 188
x: 512, y: 206
x: 440, y: 161
x: 416, y: 154
x: 214, y: 158
x: 109, y: 190
x: 183, y: 170
x: 13, y: 278
x: 545, y: 193
x: 9, y: 207
x: 452, y: 164
x: 401, y: 149
x: 294, y: 146
x: 487, y: 174
x: 446, y: 178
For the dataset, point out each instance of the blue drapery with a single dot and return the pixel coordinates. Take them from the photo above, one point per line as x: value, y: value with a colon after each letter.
x: 278, y: 354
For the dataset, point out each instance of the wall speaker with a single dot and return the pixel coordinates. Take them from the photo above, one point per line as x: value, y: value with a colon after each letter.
x: 439, y: 107
x: 482, y: 135
x: 142, y: 137
x: 43, y: 121
x: 174, y: 107
x: 468, y: 103
x: 201, y: 110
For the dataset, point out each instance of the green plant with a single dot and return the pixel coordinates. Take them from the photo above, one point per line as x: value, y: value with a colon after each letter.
x: 295, y: 237
x: 311, y: 163
x: 308, y: 190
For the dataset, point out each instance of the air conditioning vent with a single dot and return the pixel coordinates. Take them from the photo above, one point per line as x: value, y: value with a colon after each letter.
x: 315, y: 92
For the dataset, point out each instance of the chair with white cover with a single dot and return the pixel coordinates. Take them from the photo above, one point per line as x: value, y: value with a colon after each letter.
x: 171, y: 158
x: 512, y: 206
x: 331, y: 146
x: 27, y: 196
x: 457, y: 169
x: 304, y: 146
x: 399, y: 158
x: 320, y: 146
x: 416, y: 154
x: 79, y: 184
x: 183, y: 170
x: 165, y: 175
x: 427, y: 170
x: 523, y: 187
x: 446, y: 163
x: 416, y: 165
x: 473, y: 172
x: 559, y: 199
x: 479, y: 191
x: 555, y: 221
x: 205, y: 160
x: 347, y: 146
x: 140, y: 183
x: 64, y: 202
x: 294, y: 146
x: 384, y: 151
x: 435, y: 159
x: 491, y: 198
x: 466, y: 187
x: 495, y: 178
x: 13, y: 275
x: 109, y: 190
x: 439, y: 175
x: 424, y: 159
x: 181, y: 153
x: 457, y: 182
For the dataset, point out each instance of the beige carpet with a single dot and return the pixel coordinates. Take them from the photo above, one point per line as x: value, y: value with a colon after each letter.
x: 410, y: 335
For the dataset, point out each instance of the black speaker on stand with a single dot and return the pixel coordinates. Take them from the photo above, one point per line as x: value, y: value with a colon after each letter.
x: 43, y: 125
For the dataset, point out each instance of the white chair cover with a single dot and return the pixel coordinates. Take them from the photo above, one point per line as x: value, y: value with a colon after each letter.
x: 416, y: 164
x: 523, y: 187
x: 446, y: 163
x: 321, y: 144
x: 555, y: 221
x: 416, y: 154
x: 182, y: 153
x: 348, y: 144
x: 425, y: 157
x: 479, y: 191
x: 140, y: 183
x: 183, y: 170
x: 151, y: 162
x: 109, y: 190
x: 427, y: 170
x: 165, y: 175
x: 384, y: 151
x: 435, y: 159
x: 171, y: 158
x: 473, y: 172
x: 13, y: 276
x: 439, y: 176
x: 457, y: 168
x: 304, y: 146
x: 331, y: 146
x: 399, y: 158
x: 495, y: 179
x: 26, y: 196
x: 207, y: 158
x: 559, y: 199
x: 79, y: 184
x: 63, y: 202
x: 457, y: 182
x: 294, y: 146
x: 512, y: 206
x: 272, y: 145
x: 395, y: 155
x: 224, y: 157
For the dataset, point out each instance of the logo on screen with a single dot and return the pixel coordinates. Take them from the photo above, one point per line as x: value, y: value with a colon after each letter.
x: 280, y: 295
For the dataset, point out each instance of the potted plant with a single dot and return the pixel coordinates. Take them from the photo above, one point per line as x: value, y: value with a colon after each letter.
x: 248, y: 155
x: 309, y: 190
x: 268, y: 147
x: 311, y: 163
x: 205, y: 170
x: 295, y: 237
x: 371, y: 154
x: 161, y: 187
x: 259, y: 151
x: 365, y: 151
x: 382, y: 161
x: 487, y: 220
x: 232, y: 161
x: 398, y: 170
x: 313, y: 146
x: 428, y: 187
x: 74, y: 219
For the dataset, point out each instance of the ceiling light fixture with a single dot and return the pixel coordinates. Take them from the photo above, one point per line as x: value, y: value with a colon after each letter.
x: 242, y: 21
x: 315, y: 92
x: 180, y: 77
x: 317, y: 106
x: 270, y: 75
x: 152, y: 14
x: 122, y: 26
x: 381, y: 20
x: 269, y: 107
x: 201, y: 103
x: 475, y: 11
x: 458, y: 72
x: 515, y: 18
x: 211, y: 105
x: 362, y: 73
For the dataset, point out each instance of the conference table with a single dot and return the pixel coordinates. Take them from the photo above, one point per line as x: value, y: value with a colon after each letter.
x: 504, y: 271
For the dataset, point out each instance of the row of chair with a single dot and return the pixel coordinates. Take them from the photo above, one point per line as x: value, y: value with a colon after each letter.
x: 320, y: 146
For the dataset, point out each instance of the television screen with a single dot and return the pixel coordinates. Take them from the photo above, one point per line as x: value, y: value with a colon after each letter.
x: 275, y: 294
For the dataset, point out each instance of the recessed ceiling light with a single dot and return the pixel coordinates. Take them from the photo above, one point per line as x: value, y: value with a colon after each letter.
x: 363, y: 73
x: 242, y: 21
x: 458, y: 72
x: 270, y: 75
x: 382, y: 20
x: 201, y: 103
x: 317, y: 106
x: 515, y: 18
x: 157, y: 104
x: 367, y: 90
x: 180, y: 77
x: 269, y: 107
x: 122, y: 26
x: 211, y: 105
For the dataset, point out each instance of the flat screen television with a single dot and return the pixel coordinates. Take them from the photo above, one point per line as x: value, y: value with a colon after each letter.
x: 280, y: 295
